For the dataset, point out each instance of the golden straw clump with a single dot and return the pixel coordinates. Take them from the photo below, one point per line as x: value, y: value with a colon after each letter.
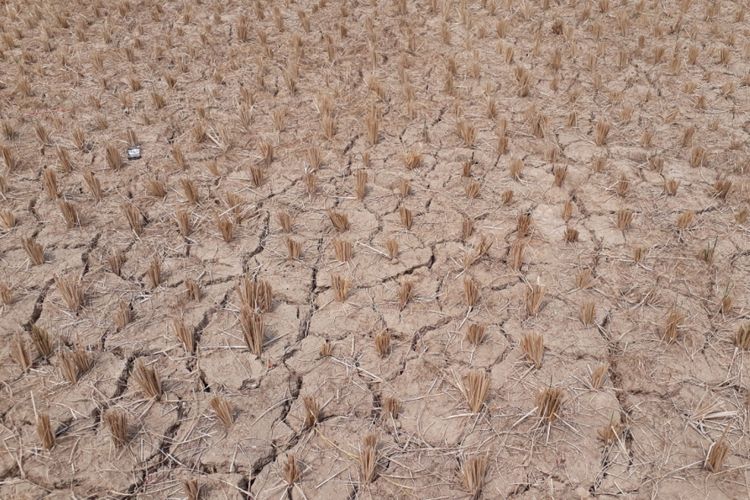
x: 471, y: 292
x: 476, y: 387
x: 339, y: 221
x: 549, y: 402
x: 475, y: 334
x: 256, y: 294
x: 340, y: 287
x: 473, y: 472
x: 368, y: 459
x: 717, y: 455
x: 532, y: 345
x: 312, y: 411
x: 117, y: 422
x: 253, y: 329
x: 222, y: 410
x: 533, y: 296
x: 44, y: 431
x: 20, y: 353
x: 148, y: 380
x: 34, y: 250
x: 71, y: 291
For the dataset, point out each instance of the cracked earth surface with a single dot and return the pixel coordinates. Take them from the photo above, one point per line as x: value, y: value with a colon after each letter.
x: 670, y: 78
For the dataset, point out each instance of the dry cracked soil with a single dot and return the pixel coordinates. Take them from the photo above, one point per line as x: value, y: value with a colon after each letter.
x: 374, y: 249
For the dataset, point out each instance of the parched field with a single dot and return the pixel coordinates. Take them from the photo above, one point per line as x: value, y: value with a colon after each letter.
x: 374, y: 249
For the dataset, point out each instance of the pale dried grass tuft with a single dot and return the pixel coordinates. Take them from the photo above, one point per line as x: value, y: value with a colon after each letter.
x: 342, y: 249
x: 42, y: 341
x: 71, y: 291
x: 570, y: 235
x: 598, y: 376
x: 223, y: 411
x: 742, y: 337
x: 405, y: 293
x: 34, y: 250
x: 114, y: 159
x: 406, y: 216
x: 471, y: 292
x: 6, y: 294
x: 8, y: 219
x: 549, y: 403
x: 515, y: 254
x: 184, y: 334
x: 293, y: 248
x: 671, y: 186
x: 290, y: 470
x: 413, y: 159
x: 44, y: 431
x: 624, y: 219
x: 383, y: 344
x: 153, y: 273
x: 601, y: 131
x: 340, y: 287
x: 285, y: 221
x: 391, y: 248
x: 117, y: 422
x: 473, y: 472
x: 93, y: 185
x: 404, y: 188
x: 226, y: 228
x: 339, y: 220
x: 190, y: 190
x: 74, y: 364
x: 588, y: 311
x: 717, y: 455
x: 326, y: 349
x: 255, y: 294
x: 134, y: 217
x: 533, y: 298
x: 611, y: 432
x: 391, y: 407
x: 361, y: 184
x: 253, y: 329
x: 20, y: 353
x: 148, y: 380
x: 368, y: 459
x: 467, y: 132
x: 476, y: 387
x: 116, y: 260
x: 49, y: 179
x: 532, y: 346
x: 123, y: 315
x: 312, y: 411
x: 672, y: 326
x: 475, y: 333
x: 193, y: 289
x: 70, y: 214
x: 467, y: 228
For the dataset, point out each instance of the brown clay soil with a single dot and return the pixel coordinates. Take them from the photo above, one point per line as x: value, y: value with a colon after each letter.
x: 574, y: 170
